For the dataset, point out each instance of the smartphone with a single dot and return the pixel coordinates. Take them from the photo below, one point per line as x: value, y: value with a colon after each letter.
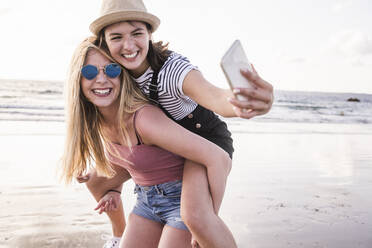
x: 231, y: 63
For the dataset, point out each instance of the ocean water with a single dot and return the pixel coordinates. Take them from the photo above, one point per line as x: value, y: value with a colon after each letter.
x: 22, y: 100
x: 320, y: 107
x: 301, y: 174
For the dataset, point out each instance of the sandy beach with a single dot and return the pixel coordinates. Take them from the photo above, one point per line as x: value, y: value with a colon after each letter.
x: 292, y: 185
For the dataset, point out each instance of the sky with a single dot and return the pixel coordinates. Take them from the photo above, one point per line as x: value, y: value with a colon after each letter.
x: 306, y: 45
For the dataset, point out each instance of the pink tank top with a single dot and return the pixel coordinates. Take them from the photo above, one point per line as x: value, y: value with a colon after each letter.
x: 151, y: 164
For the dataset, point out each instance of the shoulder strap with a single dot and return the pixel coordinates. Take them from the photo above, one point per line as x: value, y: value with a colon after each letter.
x: 134, y: 125
x: 154, y: 93
x: 153, y: 88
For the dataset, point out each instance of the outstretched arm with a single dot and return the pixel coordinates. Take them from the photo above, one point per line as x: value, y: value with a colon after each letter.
x: 222, y: 101
x: 167, y: 134
x: 100, y: 186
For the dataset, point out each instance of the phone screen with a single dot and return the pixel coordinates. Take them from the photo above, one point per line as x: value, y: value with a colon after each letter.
x: 231, y: 63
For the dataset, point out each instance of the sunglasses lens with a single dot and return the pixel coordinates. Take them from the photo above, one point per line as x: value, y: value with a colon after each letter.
x: 89, y: 72
x: 112, y: 70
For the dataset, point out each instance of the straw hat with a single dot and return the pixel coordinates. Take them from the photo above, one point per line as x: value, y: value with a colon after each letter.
x: 113, y: 11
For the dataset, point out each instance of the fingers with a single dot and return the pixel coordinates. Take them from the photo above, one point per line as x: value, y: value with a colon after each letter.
x: 83, y: 179
x: 104, y: 205
x: 259, y: 98
x: 107, y: 205
x: 194, y: 244
x: 255, y: 105
x: 255, y: 94
x: 254, y: 69
x: 100, y: 204
x: 114, y: 204
x: 245, y: 113
x: 104, y: 208
x: 255, y: 79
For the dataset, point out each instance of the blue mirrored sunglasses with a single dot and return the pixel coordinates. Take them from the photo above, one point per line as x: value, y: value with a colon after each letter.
x: 111, y: 70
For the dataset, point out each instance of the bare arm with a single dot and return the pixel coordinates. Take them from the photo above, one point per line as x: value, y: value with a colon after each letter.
x: 165, y: 133
x: 206, y: 94
x: 111, y: 190
x: 222, y: 101
x: 100, y: 186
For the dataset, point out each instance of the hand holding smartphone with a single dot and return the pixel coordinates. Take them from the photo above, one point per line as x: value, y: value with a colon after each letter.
x: 231, y: 63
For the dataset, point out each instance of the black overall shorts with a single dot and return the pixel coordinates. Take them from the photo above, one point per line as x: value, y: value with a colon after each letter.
x: 201, y: 121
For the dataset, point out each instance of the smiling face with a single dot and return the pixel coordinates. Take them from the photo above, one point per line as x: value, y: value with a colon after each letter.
x: 102, y: 90
x: 128, y: 43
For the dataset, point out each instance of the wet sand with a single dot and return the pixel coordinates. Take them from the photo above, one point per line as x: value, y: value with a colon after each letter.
x: 292, y: 185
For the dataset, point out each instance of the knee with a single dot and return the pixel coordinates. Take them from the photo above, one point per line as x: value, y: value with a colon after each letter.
x: 196, y: 219
x: 228, y: 165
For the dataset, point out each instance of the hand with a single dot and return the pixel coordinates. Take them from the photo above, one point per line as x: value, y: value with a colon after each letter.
x: 83, y: 178
x: 109, y: 202
x: 194, y: 243
x: 260, y: 96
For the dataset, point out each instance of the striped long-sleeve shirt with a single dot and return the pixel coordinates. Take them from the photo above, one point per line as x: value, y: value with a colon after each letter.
x: 170, y: 81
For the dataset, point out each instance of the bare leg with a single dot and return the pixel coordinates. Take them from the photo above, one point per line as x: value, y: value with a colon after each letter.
x: 141, y: 233
x: 172, y: 237
x: 197, y: 210
x: 98, y: 186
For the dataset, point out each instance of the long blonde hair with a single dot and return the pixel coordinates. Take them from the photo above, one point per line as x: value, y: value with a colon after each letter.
x: 85, y: 142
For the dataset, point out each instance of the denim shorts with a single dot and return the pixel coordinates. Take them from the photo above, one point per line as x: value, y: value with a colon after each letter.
x: 160, y: 203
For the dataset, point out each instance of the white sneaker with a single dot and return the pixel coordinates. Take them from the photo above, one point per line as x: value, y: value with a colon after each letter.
x: 111, y: 242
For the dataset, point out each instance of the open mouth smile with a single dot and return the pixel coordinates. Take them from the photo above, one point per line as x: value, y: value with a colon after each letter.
x: 102, y: 92
x: 130, y: 56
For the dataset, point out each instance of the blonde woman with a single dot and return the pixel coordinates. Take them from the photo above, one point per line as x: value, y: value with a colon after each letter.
x: 111, y: 125
x: 124, y: 29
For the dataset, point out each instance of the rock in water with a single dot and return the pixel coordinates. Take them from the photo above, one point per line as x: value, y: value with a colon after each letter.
x: 353, y: 99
